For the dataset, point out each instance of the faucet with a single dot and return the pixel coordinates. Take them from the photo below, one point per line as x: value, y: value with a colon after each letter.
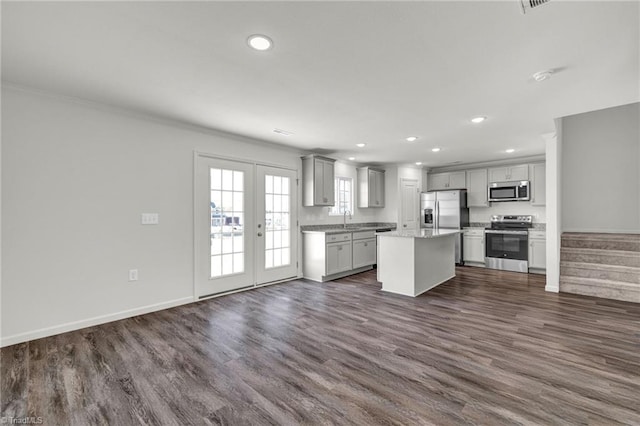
x: 344, y: 218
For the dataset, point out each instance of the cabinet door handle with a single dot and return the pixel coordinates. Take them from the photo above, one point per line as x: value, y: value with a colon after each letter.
x: 339, y: 248
x: 366, y: 244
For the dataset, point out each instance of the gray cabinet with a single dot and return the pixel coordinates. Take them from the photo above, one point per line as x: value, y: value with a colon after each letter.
x: 364, y: 249
x: 338, y: 257
x: 318, y: 180
x: 509, y: 173
x: 538, y: 184
x: 330, y: 256
x: 473, y: 246
x: 477, y: 188
x: 370, y: 187
x: 452, y: 180
x: 537, y: 251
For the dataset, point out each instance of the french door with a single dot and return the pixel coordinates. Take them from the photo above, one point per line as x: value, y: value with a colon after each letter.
x: 246, y: 232
x: 276, y: 216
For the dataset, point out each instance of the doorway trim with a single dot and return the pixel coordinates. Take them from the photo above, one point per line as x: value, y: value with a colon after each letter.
x: 401, y: 210
x: 203, y: 154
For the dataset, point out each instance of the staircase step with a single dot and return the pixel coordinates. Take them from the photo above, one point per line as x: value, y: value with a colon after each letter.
x: 618, y: 242
x: 599, y: 256
x: 617, y: 290
x: 604, y: 272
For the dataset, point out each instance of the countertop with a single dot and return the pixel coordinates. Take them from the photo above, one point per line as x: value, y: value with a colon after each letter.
x: 351, y: 227
x: 422, y: 233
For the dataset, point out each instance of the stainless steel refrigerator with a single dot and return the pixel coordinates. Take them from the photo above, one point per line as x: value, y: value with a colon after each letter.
x: 445, y: 210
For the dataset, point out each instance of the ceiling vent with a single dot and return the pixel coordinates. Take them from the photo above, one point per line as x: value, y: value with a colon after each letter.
x: 531, y: 4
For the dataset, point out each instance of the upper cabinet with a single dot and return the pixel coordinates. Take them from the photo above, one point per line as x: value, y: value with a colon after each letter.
x: 370, y: 187
x: 538, y: 183
x: 476, y: 182
x: 452, y: 180
x: 477, y: 188
x: 319, y: 181
x: 509, y: 173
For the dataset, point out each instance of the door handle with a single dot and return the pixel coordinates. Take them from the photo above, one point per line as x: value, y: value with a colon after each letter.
x: 259, y: 234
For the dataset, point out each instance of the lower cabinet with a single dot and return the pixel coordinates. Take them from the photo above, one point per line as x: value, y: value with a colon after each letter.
x: 364, y: 252
x: 328, y: 256
x: 537, y: 251
x: 473, y: 246
x: 338, y: 258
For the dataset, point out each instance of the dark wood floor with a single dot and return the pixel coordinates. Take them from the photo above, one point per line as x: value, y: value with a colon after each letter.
x: 488, y: 347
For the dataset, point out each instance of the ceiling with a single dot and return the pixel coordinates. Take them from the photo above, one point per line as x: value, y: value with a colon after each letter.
x: 339, y: 73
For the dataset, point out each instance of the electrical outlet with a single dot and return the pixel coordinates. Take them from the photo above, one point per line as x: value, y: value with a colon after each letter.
x: 133, y: 275
x: 149, y: 218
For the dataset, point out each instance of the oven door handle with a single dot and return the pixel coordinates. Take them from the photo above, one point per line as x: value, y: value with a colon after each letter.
x: 504, y: 231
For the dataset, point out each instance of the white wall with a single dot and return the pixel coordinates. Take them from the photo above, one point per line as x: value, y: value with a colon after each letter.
x: 553, y: 144
x: 391, y: 201
x: 393, y: 175
x: 75, y: 179
x: 320, y: 215
x: 601, y: 171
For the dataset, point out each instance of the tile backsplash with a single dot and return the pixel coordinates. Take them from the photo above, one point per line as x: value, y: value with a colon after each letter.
x: 483, y: 214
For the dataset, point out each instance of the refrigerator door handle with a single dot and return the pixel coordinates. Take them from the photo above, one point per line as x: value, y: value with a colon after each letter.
x: 436, y: 216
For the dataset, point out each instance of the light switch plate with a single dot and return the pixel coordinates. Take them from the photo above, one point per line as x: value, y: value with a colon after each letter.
x: 133, y: 275
x: 150, y: 218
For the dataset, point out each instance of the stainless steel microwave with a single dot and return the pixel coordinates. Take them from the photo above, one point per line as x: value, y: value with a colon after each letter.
x: 509, y: 191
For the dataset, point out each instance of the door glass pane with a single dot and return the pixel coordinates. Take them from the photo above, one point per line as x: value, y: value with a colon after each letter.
x: 227, y: 222
x: 277, y: 221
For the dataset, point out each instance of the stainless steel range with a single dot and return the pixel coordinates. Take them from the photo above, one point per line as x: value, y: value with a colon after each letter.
x: 507, y: 243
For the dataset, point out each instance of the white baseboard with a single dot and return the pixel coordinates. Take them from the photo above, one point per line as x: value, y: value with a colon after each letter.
x: 601, y: 231
x: 89, y: 322
x: 552, y: 288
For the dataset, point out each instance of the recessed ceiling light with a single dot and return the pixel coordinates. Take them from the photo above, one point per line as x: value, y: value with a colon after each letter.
x: 260, y: 42
x: 412, y: 138
x: 478, y: 119
x: 435, y: 149
x: 509, y: 151
x: 361, y: 145
x: 418, y: 163
x: 352, y: 158
x: 542, y: 75
x: 282, y: 132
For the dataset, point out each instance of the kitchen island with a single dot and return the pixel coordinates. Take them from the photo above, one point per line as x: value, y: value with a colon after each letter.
x: 412, y: 262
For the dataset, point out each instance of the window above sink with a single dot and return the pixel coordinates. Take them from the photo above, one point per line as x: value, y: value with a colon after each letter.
x: 344, y: 196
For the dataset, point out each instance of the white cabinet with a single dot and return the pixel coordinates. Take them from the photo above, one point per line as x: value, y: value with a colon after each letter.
x: 538, y: 184
x: 537, y: 250
x: 509, y: 173
x: 452, y: 180
x: 473, y: 246
x: 329, y: 256
x: 319, y: 181
x: 477, y: 188
x: 364, y: 248
x: 338, y: 257
x: 370, y: 187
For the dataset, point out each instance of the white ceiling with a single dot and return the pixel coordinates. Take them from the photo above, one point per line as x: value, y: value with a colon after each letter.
x: 340, y: 73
